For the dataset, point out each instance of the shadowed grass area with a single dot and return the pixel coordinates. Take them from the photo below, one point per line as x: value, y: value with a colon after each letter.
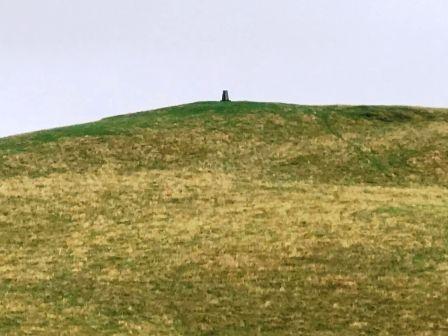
x: 228, y: 219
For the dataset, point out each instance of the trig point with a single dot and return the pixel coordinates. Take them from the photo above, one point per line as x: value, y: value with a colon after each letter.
x: 225, y: 96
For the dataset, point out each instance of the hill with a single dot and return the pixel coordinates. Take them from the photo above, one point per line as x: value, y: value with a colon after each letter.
x: 228, y: 219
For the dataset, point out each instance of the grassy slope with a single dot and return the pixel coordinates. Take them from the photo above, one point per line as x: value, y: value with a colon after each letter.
x: 224, y: 219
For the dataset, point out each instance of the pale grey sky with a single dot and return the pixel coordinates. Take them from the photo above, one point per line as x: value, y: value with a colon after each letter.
x: 70, y: 61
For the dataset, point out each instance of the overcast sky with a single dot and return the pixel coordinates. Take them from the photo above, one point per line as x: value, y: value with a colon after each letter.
x: 70, y: 61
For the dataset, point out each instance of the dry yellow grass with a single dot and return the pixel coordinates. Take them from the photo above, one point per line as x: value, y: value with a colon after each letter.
x: 95, y: 238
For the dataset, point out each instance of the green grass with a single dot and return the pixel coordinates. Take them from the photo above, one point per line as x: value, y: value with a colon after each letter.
x: 228, y: 219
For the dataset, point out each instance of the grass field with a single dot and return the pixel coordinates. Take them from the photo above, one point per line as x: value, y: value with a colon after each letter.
x: 228, y: 219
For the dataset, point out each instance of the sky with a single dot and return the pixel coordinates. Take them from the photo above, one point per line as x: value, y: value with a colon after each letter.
x: 65, y: 62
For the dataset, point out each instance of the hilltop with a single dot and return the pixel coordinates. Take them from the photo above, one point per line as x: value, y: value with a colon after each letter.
x: 331, y: 144
x: 228, y: 219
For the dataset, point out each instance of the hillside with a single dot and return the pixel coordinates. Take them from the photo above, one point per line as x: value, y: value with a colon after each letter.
x: 228, y: 219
